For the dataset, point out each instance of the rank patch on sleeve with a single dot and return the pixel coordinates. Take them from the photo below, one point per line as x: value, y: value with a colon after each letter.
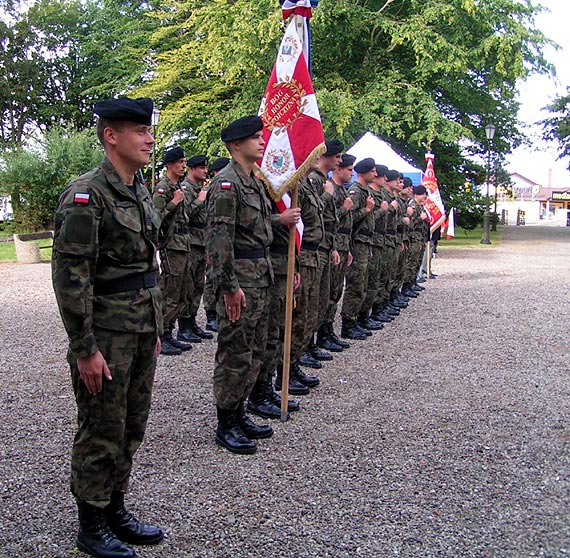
x: 160, y: 190
x: 352, y: 193
x: 81, y: 198
x: 225, y: 185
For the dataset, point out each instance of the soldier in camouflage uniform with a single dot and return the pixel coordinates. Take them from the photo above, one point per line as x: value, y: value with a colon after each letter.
x: 329, y: 257
x: 197, y: 174
x: 172, y: 199
x: 362, y: 230
x: 238, y: 236
x: 402, y: 233
x: 209, y: 296
x: 418, y: 231
x: 103, y: 270
x: 341, y: 176
x: 377, y: 245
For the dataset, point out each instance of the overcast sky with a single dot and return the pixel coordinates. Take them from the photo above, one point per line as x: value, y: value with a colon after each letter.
x: 537, y: 92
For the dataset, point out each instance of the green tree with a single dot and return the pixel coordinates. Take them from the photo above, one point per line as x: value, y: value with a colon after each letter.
x: 557, y: 126
x: 35, y: 177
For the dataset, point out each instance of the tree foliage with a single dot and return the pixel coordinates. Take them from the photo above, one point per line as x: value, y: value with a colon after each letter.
x: 557, y: 126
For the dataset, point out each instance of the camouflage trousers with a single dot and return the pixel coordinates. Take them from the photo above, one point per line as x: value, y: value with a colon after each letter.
x: 111, y: 425
x: 241, y: 347
x: 373, y: 286
x: 397, y: 271
x: 414, y: 261
x: 176, y: 286
x: 388, y: 262
x: 338, y: 273
x: 275, y: 328
x: 197, y: 280
x: 325, y: 268
x: 305, y: 314
x: 209, y: 296
x: 356, y: 281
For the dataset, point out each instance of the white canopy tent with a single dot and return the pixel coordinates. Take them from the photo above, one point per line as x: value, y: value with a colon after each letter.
x: 370, y: 145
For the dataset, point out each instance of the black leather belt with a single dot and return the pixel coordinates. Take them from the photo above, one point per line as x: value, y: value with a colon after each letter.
x: 324, y: 250
x: 344, y: 231
x: 198, y: 225
x: 311, y: 247
x: 181, y: 230
x: 251, y: 254
x: 133, y: 283
x: 330, y: 228
x: 364, y: 233
x: 279, y: 249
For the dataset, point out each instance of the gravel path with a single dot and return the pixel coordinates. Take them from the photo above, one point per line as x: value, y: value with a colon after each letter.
x: 446, y: 434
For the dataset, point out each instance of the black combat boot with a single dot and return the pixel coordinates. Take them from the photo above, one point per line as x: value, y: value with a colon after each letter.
x: 182, y: 345
x: 350, y: 330
x: 261, y: 403
x: 324, y: 340
x: 230, y: 435
x: 95, y: 536
x: 367, y: 322
x: 197, y: 330
x: 185, y: 332
x: 212, y: 320
x: 310, y: 361
x: 416, y: 287
x: 167, y: 347
x: 305, y: 379
x: 379, y: 315
x: 249, y: 428
x: 292, y: 405
x: 127, y: 527
x: 295, y: 386
x: 394, y: 301
x: 407, y: 291
x: 317, y: 352
x: 335, y: 338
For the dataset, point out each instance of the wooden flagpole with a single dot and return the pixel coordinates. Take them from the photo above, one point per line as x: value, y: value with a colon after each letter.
x: 428, y: 258
x: 294, y: 192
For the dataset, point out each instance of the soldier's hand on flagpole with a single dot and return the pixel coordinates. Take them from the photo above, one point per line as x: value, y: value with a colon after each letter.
x: 370, y: 203
x: 91, y: 369
x: 335, y: 257
x: 348, y: 204
x: 177, y: 197
x: 234, y: 303
x: 328, y: 187
x: 290, y: 216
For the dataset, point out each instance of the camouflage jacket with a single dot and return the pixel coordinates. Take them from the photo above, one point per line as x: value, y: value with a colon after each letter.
x: 402, y: 230
x: 330, y: 217
x: 362, y: 220
x: 390, y: 220
x: 197, y: 214
x: 344, y: 227
x: 379, y: 218
x: 238, y: 230
x: 418, y: 225
x: 103, y: 234
x: 313, y: 224
x: 179, y: 239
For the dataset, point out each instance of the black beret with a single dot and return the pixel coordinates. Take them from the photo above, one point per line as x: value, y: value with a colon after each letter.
x: 173, y: 154
x: 334, y: 147
x: 242, y: 128
x: 219, y: 164
x: 392, y: 175
x: 419, y: 190
x: 125, y: 109
x: 197, y: 161
x: 364, y: 166
x: 346, y: 161
x: 407, y: 182
x: 381, y: 170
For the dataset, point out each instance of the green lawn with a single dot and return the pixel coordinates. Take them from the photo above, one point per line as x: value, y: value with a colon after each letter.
x: 8, y: 252
x: 472, y: 239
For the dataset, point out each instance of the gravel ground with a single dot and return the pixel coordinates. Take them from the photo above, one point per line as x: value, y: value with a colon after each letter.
x: 445, y: 434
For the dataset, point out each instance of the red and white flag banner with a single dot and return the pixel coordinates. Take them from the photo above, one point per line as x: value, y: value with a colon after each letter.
x: 292, y: 126
x: 450, y: 225
x: 434, y: 203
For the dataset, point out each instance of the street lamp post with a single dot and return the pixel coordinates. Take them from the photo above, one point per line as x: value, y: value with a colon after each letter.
x: 154, y: 119
x: 495, y: 216
x: 490, y: 133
